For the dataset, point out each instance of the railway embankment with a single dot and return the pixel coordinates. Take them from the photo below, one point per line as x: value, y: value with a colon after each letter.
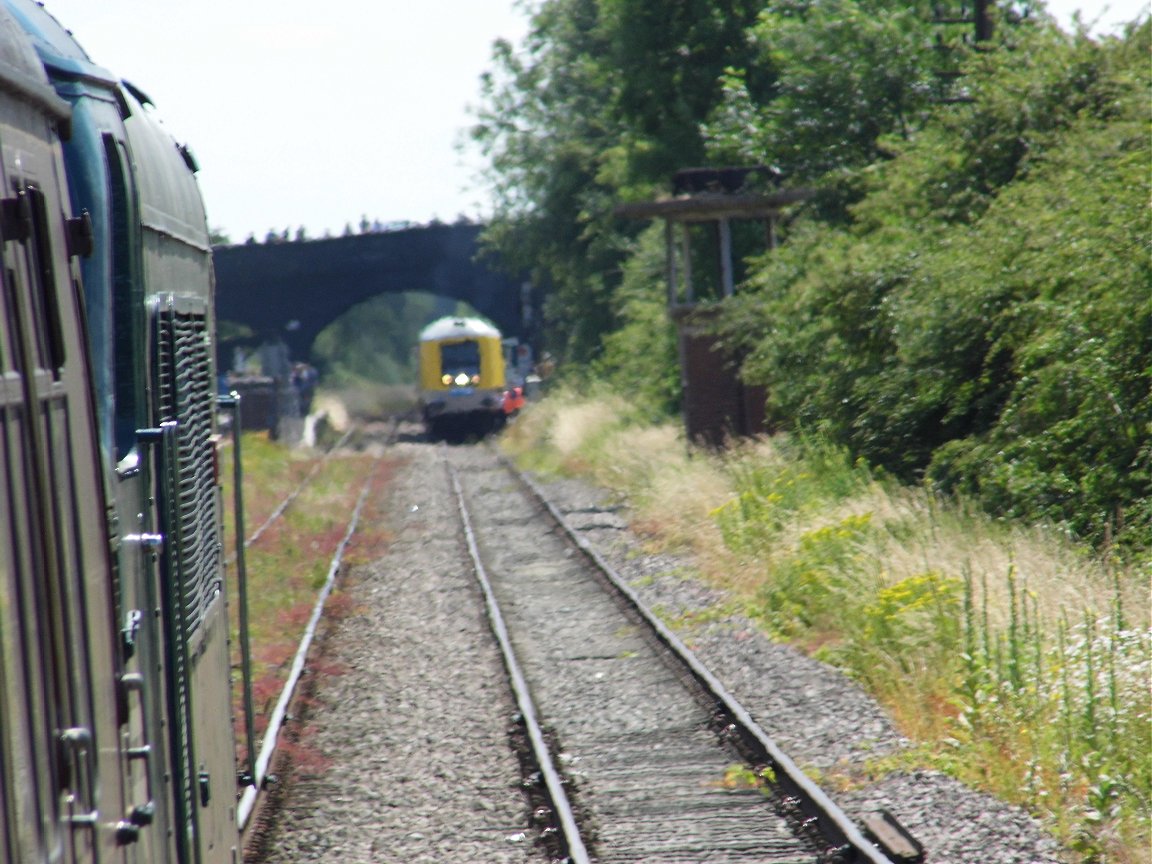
x: 865, y: 733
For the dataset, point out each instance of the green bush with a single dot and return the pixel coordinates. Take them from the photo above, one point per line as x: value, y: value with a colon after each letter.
x: 986, y: 319
x: 640, y: 360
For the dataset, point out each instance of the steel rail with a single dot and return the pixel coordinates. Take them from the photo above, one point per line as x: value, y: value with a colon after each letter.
x: 561, y: 806
x: 294, y: 494
x: 831, y: 821
x: 247, y: 801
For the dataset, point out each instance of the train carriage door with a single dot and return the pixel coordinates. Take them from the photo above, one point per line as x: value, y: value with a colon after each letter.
x: 60, y: 747
x: 26, y: 747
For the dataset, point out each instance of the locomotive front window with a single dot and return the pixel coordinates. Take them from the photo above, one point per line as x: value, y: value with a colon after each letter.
x: 460, y: 357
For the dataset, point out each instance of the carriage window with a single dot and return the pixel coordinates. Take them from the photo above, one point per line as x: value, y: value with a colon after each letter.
x: 46, y: 310
x: 125, y: 306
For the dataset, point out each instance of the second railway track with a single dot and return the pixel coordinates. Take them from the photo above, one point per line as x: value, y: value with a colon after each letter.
x: 645, y: 758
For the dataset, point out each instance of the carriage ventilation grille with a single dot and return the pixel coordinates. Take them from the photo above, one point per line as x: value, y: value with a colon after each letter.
x: 187, y: 395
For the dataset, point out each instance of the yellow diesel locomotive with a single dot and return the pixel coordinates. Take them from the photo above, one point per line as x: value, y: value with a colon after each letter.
x: 462, y: 378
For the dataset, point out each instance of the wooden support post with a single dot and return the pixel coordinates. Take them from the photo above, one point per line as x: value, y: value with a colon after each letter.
x: 689, y: 289
x: 727, y: 282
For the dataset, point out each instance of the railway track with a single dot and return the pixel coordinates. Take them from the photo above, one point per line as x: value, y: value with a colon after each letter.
x: 257, y: 770
x: 634, y: 755
x: 411, y: 749
x: 637, y: 743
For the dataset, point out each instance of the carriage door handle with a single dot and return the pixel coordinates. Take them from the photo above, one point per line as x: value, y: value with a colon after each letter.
x: 140, y: 816
x: 80, y: 781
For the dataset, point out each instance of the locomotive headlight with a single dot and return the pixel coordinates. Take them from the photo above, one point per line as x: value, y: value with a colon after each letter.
x: 475, y: 379
x: 461, y: 379
x: 446, y: 380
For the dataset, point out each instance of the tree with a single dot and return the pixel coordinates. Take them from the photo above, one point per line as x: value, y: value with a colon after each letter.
x: 984, y: 317
x: 844, y: 74
x: 604, y: 101
x: 666, y: 62
x: 543, y: 126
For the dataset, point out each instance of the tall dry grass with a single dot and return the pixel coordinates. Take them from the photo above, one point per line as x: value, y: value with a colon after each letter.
x: 1019, y: 660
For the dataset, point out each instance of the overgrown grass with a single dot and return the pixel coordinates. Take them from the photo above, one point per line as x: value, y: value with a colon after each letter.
x: 289, y: 563
x: 1018, y: 661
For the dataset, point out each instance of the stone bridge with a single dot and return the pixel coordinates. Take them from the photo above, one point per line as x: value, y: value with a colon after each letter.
x: 295, y: 290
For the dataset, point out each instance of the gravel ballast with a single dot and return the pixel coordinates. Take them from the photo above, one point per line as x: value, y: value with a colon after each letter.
x: 407, y: 749
x: 407, y: 755
x: 818, y: 716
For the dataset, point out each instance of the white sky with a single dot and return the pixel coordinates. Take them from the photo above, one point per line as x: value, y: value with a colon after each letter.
x: 308, y: 114
x: 1108, y: 15
x: 305, y: 113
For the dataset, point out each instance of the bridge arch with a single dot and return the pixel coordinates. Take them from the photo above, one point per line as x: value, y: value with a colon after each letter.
x: 295, y: 290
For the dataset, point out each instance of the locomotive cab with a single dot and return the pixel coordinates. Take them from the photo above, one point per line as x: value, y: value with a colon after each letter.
x: 461, y: 377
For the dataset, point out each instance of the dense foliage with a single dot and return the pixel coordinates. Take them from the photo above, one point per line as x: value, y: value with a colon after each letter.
x: 985, y: 317
x: 965, y: 299
x: 845, y: 73
x: 603, y: 102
